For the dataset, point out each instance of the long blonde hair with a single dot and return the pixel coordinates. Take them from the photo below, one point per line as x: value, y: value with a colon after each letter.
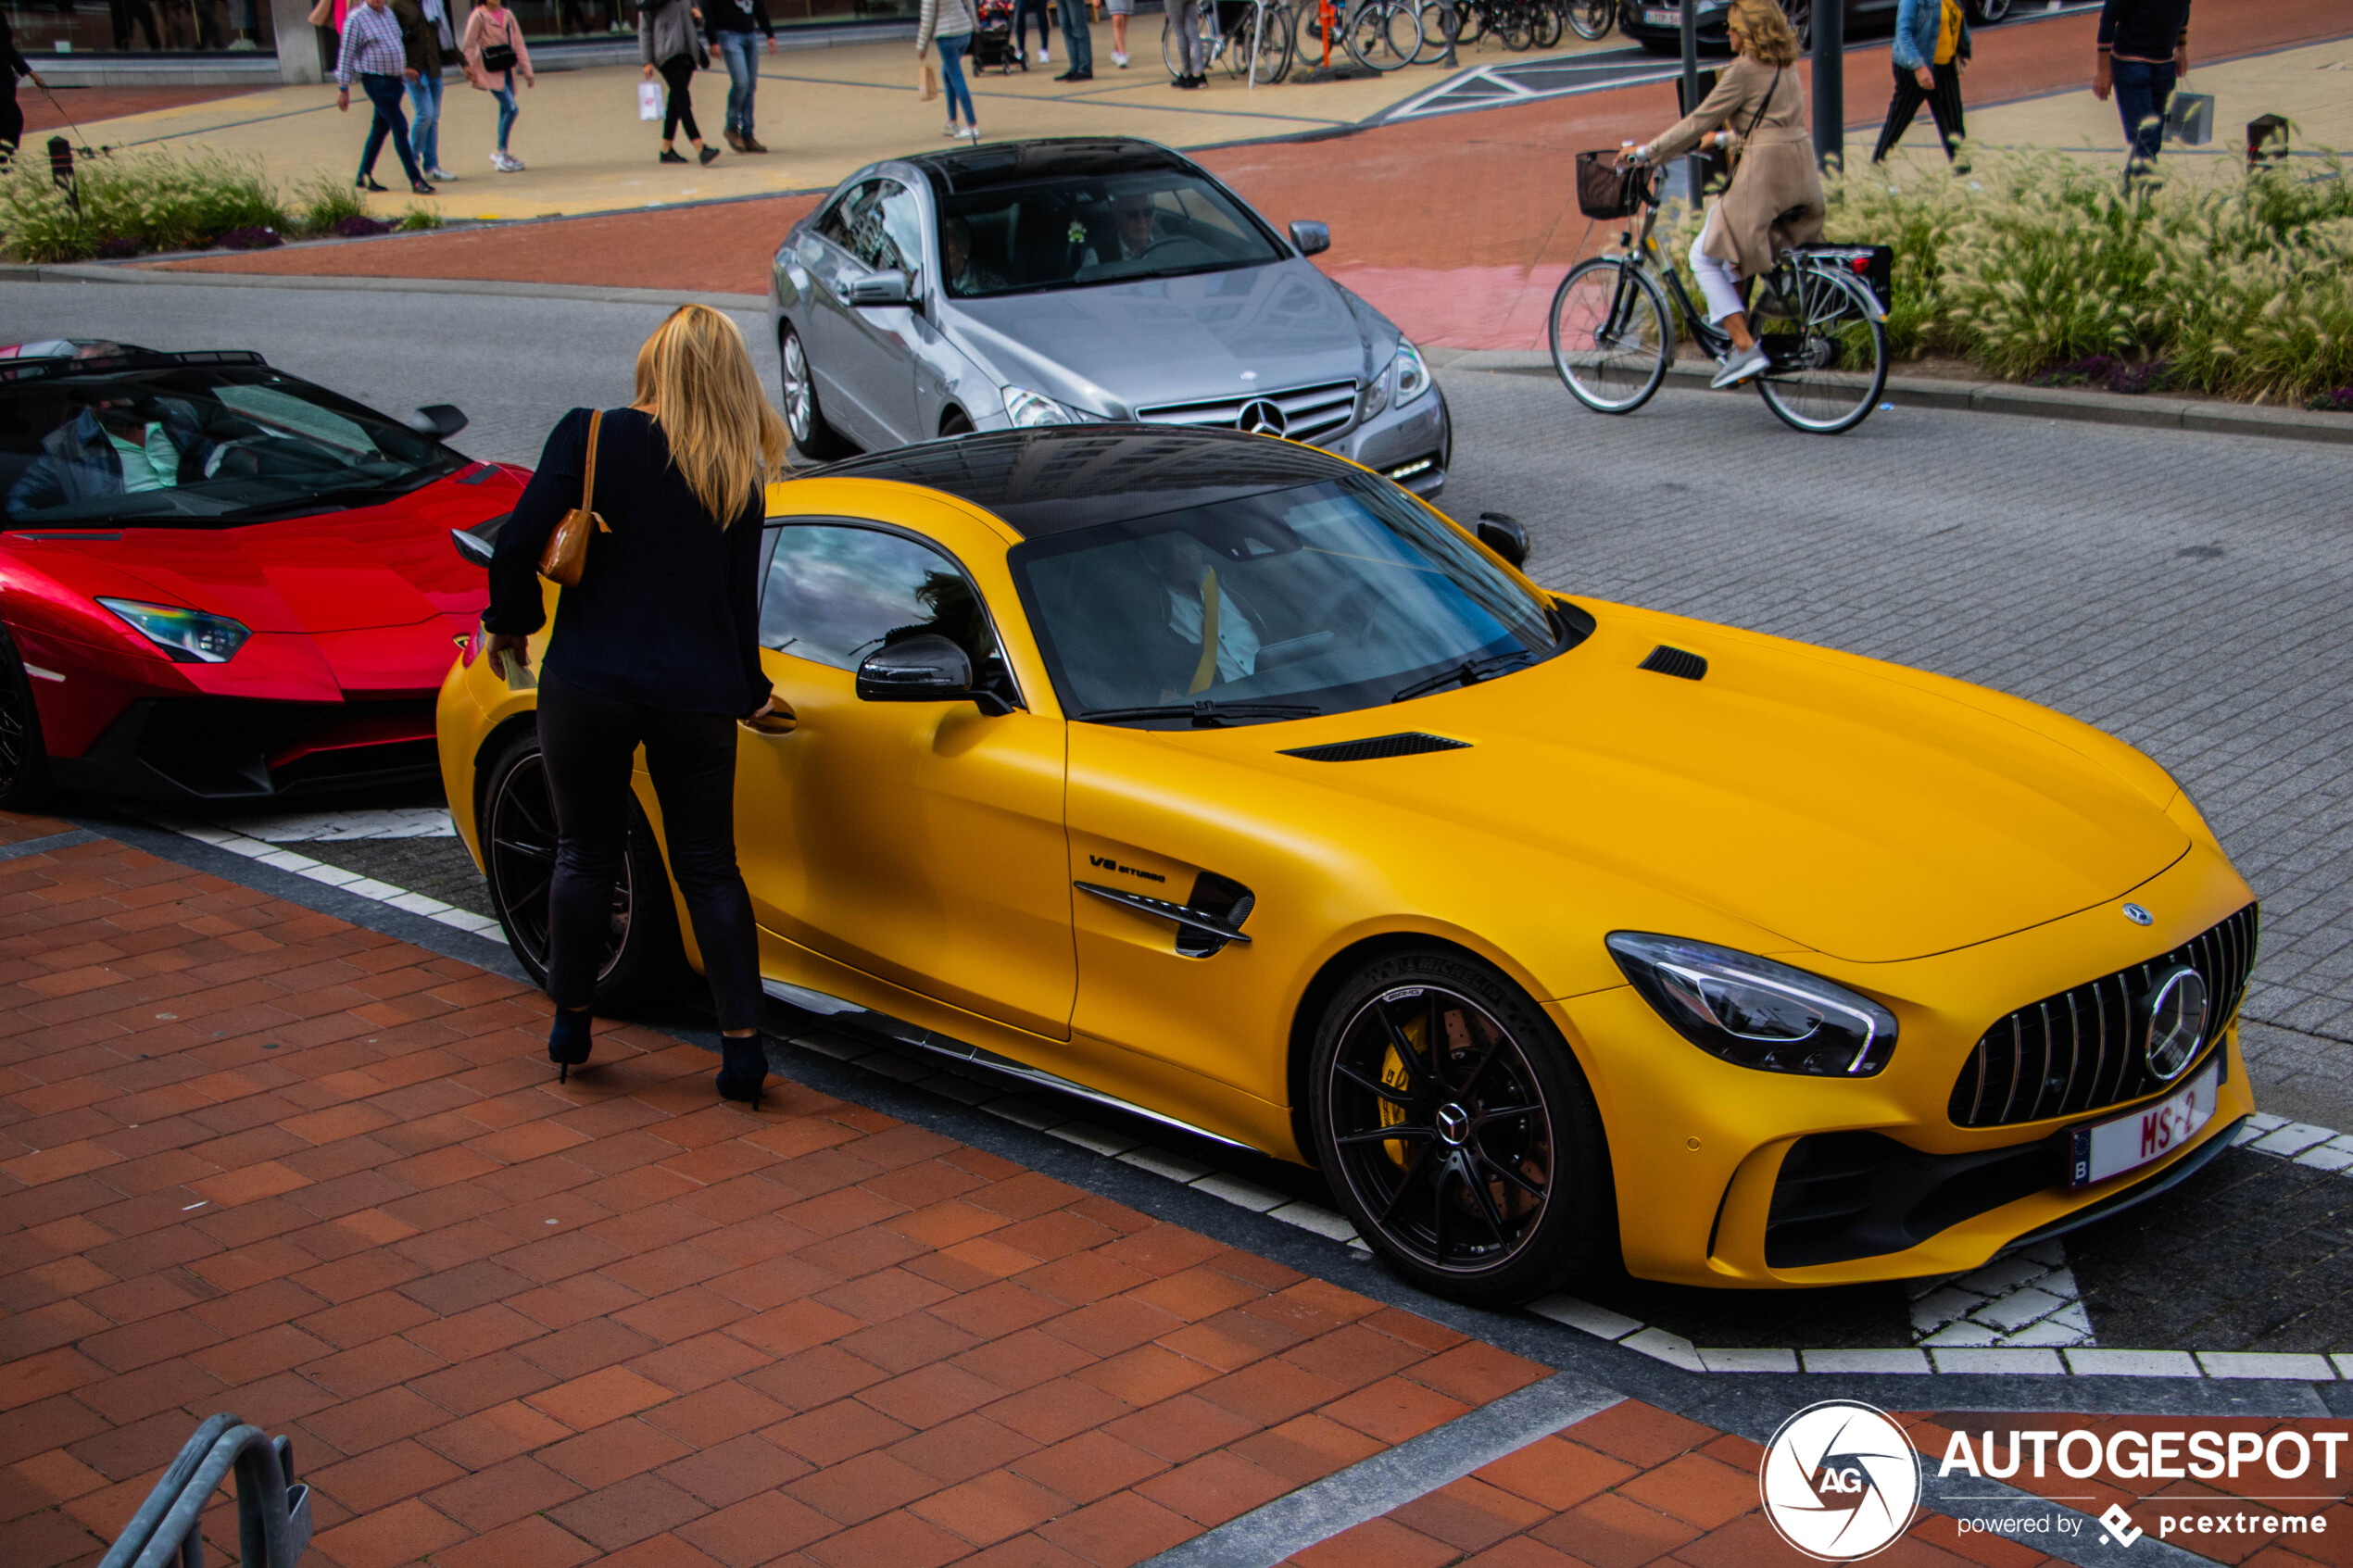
x: 1770, y: 38
x: 724, y: 435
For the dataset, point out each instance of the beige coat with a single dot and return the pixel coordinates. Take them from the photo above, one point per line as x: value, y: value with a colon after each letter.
x: 1775, y: 200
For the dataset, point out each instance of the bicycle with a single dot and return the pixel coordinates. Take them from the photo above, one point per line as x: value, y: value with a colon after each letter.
x: 1258, y: 49
x: 1381, y: 35
x: 1612, y: 328
x: 1590, y: 19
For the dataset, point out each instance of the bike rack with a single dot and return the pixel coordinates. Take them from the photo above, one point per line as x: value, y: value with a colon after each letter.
x: 273, y: 1512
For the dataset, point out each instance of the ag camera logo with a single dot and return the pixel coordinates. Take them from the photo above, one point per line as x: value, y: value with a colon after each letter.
x: 1840, y: 1481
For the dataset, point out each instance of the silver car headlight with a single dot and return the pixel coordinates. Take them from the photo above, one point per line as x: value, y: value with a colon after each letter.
x: 1410, y: 372
x: 1027, y: 409
x: 190, y: 636
x: 1753, y: 1012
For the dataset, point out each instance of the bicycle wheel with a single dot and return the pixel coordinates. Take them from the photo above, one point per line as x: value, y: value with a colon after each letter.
x: 1366, y: 35
x: 1828, y: 351
x: 1470, y: 18
x: 1441, y: 28
x: 1612, y: 338
x: 1168, y: 47
x: 1515, y: 25
x: 1268, y: 28
x: 1590, y: 19
x: 1546, y: 17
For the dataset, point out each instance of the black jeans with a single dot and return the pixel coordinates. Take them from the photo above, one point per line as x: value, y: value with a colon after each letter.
x: 678, y: 75
x: 388, y: 94
x: 1945, y: 103
x: 588, y: 741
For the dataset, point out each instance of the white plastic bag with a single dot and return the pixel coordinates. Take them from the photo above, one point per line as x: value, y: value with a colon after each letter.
x: 648, y: 100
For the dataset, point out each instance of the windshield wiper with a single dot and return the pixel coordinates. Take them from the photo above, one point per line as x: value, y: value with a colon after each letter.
x: 1469, y: 672
x: 1205, y: 714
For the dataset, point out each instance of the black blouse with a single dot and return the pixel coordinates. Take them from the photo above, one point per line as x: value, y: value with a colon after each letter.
x: 666, y: 613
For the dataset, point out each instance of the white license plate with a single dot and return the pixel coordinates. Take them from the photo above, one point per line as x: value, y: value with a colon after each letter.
x: 1663, y: 18
x: 2126, y: 1143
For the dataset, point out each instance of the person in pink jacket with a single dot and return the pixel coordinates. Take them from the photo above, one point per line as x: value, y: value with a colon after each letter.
x: 495, y: 52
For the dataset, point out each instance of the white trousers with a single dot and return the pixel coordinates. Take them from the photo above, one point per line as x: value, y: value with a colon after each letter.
x: 1716, y: 279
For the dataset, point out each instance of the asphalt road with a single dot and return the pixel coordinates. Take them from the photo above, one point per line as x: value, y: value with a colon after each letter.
x: 2185, y: 592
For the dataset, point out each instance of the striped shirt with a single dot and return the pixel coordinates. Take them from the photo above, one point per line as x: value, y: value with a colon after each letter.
x: 372, y: 44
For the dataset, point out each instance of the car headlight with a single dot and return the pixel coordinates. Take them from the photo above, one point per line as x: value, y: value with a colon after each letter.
x: 1753, y: 1012
x: 1410, y: 372
x: 1027, y: 408
x: 190, y: 636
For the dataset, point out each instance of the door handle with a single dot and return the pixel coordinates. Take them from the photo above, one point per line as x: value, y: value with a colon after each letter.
x: 778, y: 721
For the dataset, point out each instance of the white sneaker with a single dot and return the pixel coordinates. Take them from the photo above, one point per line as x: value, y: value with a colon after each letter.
x: 1045, y: 56
x: 1741, y: 366
x: 954, y: 131
x: 439, y: 173
x: 506, y: 163
x: 1119, y: 60
x: 972, y: 132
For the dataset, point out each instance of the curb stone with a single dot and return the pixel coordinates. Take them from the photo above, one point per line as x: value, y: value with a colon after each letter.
x: 99, y: 273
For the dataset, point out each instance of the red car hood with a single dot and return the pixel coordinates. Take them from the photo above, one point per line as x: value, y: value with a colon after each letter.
x: 385, y: 566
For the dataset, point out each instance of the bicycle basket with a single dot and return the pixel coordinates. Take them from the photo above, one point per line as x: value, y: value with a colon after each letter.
x: 1605, y: 190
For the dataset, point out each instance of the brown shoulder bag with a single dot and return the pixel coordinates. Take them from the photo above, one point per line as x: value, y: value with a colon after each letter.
x: 566, y: 551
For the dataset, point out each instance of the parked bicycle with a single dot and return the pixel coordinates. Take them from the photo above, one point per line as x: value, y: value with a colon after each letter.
x: 1258, y: 44
x: 1820, y: 314
x: 1590, y: 19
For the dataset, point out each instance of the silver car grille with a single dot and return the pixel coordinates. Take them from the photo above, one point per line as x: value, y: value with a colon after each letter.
x: 1308, y: 413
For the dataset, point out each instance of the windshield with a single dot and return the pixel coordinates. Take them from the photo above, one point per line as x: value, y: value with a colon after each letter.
x: 198, y: 446
x: 1333, y: 597
x: 1117, y: 228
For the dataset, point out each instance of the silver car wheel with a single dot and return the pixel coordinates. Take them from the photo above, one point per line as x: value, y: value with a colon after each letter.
x: 798, y: 400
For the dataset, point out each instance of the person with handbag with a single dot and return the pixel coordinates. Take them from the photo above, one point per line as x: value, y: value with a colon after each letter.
x: 494, y: 52
x: 670, y: 42
x: 1932, y: 45
x: 950, y: 24
x: 1775, y: 197
x: 654, y: 512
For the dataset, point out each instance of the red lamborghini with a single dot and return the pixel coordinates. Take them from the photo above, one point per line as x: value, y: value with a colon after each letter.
x: 220, y: 582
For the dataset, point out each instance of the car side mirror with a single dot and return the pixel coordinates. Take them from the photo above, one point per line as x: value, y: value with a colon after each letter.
x: 1311, y: 237
x: 923, y: 669
x: 440, y: 420
x: 1505, y: 536
x: 883, y: 288
x: 478, y: 543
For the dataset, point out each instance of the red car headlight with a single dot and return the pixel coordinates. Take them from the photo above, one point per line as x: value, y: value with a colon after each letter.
x: 189, y: 637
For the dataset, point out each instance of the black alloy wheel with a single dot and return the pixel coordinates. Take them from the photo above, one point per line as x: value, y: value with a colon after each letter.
x: 24, y: 761
x: 1457, y: 1131
x: 517, y: 826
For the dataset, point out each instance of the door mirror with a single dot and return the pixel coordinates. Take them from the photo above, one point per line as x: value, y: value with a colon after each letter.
x: 1311, y: 237
x: 924, y: 669
x: 882, y: 288
x: 1503, y: 535
x: 440, y: 420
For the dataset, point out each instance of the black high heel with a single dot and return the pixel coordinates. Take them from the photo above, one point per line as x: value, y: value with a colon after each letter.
x: 743, y: 1067
x: 569, y: 1041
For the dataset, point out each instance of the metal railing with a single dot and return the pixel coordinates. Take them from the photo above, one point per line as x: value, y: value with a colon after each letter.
x: 273, y: 1512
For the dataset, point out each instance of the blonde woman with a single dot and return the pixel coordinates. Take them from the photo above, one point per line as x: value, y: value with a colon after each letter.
x: 1775, y: 199
x: 657, y: 645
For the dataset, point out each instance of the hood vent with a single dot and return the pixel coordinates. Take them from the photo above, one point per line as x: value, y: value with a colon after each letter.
x: 1376, y: 746
x: 1680, y: 663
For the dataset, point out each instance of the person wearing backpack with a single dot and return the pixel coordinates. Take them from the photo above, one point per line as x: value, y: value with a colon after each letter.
x: 494, y: 52
x: 1932, y: 45
x: 656, y: 645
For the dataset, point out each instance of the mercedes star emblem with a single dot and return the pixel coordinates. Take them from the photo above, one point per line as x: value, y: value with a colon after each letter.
x: 1261, y: 417
x: 2137, y: 915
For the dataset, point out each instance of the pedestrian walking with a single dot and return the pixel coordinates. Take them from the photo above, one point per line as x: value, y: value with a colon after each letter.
x: 374, y: 51
x: 1025, y: 9
x: 1932, y: 45
x: 669, y: 42
x: 120, y: 14
x: 1079, y: 41
x: 658, y: 645
x: 1775, y: 197
x: 12, y: 66
x: 731, y: 24
x: 1184, y: 24
x: 424, y: 34
x: 2143, y: 52
x: 494, y: 53
x: 1120, y: 11
x: 950, y: 24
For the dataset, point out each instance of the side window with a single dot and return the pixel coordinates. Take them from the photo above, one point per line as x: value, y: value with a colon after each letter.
x: 840, y: 220
x: 836, y: 593
x: 884, y: 229
x: 902, y: 222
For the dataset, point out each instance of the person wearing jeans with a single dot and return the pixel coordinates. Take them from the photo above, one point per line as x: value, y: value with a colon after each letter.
x: 950, y: 24
x: 375, y: 53
x: 490, y: 25
x: 2144, y: 51
x: 1079, y: 40
x: 1023, y: 11
x: 421, y: 30
x: 731, y: 24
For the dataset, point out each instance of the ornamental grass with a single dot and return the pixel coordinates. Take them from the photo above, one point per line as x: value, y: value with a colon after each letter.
x: 129, y: 204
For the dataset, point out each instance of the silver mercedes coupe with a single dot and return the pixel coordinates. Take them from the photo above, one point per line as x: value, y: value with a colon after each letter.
x: 1072, y: 281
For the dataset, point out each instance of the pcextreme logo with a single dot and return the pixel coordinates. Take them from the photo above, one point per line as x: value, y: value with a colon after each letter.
x: 1840, y: 1481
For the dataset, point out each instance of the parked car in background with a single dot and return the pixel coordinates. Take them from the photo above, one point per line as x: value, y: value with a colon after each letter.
x: 1657, y: 25
x: 1044, y: 283
x: 220, y: 582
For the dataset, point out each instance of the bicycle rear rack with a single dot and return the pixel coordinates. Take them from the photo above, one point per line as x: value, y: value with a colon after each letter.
x: 273, y: 1512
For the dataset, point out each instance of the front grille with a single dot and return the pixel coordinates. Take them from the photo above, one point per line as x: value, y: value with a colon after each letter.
x: 2078, y: 1051
x: 1374, y: 747
x: 1309, y: 412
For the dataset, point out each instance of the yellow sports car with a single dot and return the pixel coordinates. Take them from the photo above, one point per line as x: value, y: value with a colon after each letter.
x: 1216, y: 777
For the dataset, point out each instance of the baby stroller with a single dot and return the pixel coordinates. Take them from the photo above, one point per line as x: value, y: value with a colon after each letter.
x: 993, y: 45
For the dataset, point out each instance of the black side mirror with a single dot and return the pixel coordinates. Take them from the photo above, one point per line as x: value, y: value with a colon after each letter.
x: 440, y: 420
x: 1503, y: 535
x: 478, y: 543
x: 1311, y: 237
x: 883, y: 288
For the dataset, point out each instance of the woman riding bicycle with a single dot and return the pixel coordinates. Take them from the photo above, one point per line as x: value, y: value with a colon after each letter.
x: 1775, y: 199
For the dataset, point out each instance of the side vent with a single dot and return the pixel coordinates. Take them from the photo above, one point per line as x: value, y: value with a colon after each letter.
x: 1680, y: 663
x: 1375, y: 746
